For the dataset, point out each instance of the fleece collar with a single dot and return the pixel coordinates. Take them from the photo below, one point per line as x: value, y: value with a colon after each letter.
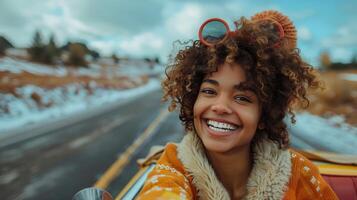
x: 268, y: 179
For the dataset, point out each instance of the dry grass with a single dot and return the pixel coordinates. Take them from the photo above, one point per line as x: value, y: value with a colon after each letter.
x: 10, y: 81
x: 339, y: 96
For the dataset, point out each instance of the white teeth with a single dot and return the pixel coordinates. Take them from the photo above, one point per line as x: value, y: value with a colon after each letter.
x: 218, y: 129
x: 219, y: 126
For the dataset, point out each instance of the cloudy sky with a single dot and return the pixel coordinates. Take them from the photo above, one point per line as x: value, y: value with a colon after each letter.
x: 149, y: 27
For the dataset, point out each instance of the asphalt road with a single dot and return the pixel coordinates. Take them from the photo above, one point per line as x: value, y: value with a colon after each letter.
x: 56, y: 163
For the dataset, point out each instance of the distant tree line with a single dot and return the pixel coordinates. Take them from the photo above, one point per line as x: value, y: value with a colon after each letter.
x: 72, y: 53
x: 41, y: 52
x: 343, y: 66
x: 326, y: 63
x: 115, y: 58
x: 4, y: 44
x: 152, y: 60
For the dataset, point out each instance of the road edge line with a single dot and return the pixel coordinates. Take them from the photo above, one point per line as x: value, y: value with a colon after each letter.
x: 117, y: 167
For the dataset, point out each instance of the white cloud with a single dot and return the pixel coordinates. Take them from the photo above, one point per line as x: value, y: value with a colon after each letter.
x: 142, y: 44
x: 341, y: 54
x: 185, y: 21
x: 48, y: 17
x: 124, y: 17
x: 65, y: 24
x: 345, y: 36
x: 106, y: 47
x: 303, y: 14
x: 304, y: 33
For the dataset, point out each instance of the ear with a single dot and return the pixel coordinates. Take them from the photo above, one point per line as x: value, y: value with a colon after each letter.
x: 261, y: 126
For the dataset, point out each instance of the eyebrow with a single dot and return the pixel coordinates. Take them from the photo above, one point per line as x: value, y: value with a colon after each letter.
x: 242, y: 86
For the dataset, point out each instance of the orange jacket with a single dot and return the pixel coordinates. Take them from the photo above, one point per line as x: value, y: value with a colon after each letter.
x: 183, y: 172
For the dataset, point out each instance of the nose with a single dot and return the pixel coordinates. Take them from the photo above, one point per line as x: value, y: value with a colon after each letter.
x: 221, y: 107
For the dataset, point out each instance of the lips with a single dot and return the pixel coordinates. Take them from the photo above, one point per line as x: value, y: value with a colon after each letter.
x: 219, y: 127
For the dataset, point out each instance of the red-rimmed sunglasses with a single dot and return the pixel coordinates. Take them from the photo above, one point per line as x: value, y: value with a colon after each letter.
x: 215, y: 30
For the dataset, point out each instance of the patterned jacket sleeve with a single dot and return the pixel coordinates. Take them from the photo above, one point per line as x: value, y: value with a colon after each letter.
x: 167, y: 179
x: 310, y: 184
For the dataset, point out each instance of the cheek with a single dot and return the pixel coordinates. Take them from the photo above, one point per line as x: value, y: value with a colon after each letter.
x: 196, y: 109
x: 249, y: 115
x: 196, y: 115
x: 197, y: 105
x: 253, y: 116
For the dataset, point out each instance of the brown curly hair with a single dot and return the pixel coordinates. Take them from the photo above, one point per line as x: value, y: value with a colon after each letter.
x: 279, y: 75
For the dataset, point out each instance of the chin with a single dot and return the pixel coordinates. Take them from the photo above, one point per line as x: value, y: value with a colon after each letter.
x: 213, y: 145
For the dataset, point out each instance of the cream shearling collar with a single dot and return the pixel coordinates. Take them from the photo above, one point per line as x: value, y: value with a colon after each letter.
x: 268, y: 179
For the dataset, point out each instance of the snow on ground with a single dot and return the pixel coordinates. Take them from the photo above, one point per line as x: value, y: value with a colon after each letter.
x: 18, y: 66
x: 64, y: 100
x: 349, y: 77
x: 134, y: 69
x: 332, y: 133
x: 125, y: 67
x: 25, y: 108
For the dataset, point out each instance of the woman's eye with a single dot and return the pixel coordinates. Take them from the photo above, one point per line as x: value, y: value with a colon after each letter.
x: 208, y: 91
x: 243, y: 99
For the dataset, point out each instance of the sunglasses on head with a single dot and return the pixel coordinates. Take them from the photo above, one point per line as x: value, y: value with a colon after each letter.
x: 215, y: 31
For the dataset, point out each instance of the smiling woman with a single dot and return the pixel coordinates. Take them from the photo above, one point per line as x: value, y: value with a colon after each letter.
x: 225, y: 114
x: 234, y: 90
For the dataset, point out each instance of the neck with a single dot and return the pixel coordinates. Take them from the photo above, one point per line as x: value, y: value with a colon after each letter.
x: 232, y: 169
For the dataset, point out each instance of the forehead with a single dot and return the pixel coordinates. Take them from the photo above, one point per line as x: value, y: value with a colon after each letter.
x: 231, y: 76
x: 230, y: 73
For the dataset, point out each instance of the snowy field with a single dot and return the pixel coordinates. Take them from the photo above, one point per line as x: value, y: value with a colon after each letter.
x: 332, y: 132
x: 66, y: 101
x: 128, y: 68
x: 17, y: 110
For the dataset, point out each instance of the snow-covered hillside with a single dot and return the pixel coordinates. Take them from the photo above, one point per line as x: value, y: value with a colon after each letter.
x: 34, y: 103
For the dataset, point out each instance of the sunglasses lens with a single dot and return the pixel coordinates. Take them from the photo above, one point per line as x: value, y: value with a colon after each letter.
x: 214, y: 32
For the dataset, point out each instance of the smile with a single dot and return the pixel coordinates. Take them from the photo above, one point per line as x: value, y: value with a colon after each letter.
x: 221, y: 126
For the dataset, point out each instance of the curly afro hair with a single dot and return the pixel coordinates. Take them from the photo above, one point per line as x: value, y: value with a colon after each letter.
x: 279, y: 75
